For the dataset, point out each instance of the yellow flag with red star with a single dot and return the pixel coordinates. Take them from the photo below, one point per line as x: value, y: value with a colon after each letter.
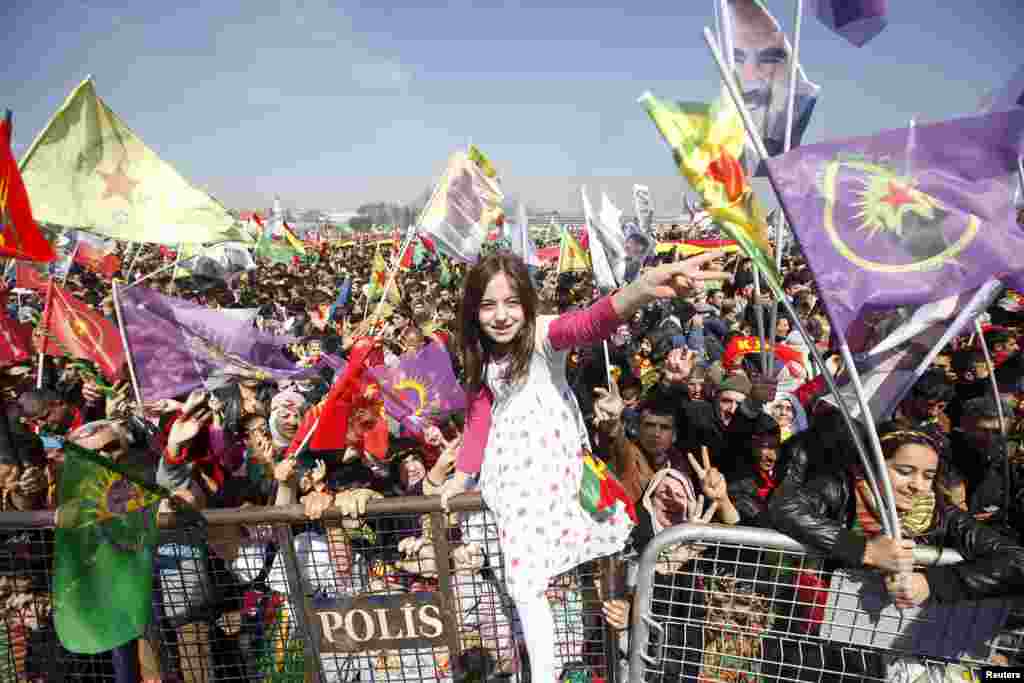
x: 88, y: 170
x: 379, y: 280
x: 571, y: 255
x: 71, y: 328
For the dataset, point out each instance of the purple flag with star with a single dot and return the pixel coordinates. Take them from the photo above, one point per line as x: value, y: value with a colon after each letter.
x: 421, y: 388
x: 177, y: 346
x: 858, y: 21
x: 906, y: 216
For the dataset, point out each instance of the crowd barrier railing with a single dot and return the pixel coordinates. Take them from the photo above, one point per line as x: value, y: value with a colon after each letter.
x: 406, y: 593
x: 717, y: 603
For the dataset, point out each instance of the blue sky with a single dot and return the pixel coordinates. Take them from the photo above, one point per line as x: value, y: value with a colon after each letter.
x: 333, y: 104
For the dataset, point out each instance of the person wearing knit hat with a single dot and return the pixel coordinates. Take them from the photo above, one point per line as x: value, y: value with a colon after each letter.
x: 737, y: 384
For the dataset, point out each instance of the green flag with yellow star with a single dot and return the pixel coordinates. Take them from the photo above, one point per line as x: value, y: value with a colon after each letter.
x: 88, y: 170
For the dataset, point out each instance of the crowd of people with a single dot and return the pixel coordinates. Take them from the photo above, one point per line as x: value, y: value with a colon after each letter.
x: 693, y: 431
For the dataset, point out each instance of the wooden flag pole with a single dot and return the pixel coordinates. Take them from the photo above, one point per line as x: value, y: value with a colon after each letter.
x: 889, y: 523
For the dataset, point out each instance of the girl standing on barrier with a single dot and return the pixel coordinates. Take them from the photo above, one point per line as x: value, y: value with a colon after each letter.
x: 525, y: 435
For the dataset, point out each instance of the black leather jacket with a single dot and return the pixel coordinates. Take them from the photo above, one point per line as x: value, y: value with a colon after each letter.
x: 821, y: 513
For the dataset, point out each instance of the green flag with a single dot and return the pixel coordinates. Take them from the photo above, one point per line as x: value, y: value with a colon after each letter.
x: 445, y: 277
x: 275, y: 251
x: 105, y: 537
x: 87, y: 169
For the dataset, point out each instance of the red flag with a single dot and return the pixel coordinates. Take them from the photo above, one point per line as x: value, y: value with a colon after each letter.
x: 74, y: 329
x: 97, y: 255
x: 352, y: 413
x: 29, y: 277
x: 20, y: 237
x: 14, y: 337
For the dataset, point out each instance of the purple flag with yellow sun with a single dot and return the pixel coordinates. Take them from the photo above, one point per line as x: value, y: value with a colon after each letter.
x: 422, y: 388
x: 906, y: 216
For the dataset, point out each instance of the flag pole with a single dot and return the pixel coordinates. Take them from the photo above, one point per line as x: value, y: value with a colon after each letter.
x: 869, y: 470
x: 410, y: 235
x: 780, y: 221
x: 127, y: 349
x: 393, y: 275
x: 47, y: 312
x: 999, y: 412
x: 135, y: 257
x: 167, y: 267
x: 71, y: 262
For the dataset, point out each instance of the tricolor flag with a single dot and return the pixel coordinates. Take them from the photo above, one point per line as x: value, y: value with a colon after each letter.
x: 572, y: 257
x: 292, y: 239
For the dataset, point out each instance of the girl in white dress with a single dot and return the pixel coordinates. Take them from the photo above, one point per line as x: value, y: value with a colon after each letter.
x: 525, y: 435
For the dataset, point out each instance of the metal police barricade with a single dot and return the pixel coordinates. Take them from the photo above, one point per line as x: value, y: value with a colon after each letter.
x: 720, y: 603
x: 264, y: 594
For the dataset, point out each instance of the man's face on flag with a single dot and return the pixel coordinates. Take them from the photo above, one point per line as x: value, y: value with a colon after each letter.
x: 760, y: 54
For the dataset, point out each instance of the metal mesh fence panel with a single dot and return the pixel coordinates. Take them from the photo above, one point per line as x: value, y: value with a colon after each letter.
x: 744, y: 604
x: 406, y: 593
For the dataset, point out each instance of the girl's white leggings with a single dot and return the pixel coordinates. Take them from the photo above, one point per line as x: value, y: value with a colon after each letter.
x: 539, y: 630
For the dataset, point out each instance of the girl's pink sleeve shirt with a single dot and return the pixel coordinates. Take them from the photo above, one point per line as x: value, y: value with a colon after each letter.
x: 576, y: 328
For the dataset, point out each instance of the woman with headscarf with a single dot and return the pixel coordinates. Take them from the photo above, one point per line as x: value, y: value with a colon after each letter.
x: 286, y: 411
x: 788, y: 413
x: 836, y: 514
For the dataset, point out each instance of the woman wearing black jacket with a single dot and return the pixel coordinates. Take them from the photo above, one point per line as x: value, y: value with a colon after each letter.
x: 836, y: 515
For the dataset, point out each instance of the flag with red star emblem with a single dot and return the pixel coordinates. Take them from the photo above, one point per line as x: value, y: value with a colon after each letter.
x: 379, y: 280
x: 89, y: 170
x: 29, y: 276
x: 71, y: 328
x: 20, y: 237
x: 906, y: 216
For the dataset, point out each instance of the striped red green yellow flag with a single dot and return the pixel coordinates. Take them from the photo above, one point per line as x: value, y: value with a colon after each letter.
x: 707, y: 142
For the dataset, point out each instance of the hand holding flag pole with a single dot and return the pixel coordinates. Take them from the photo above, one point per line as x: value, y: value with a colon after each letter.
x: 888, y: 516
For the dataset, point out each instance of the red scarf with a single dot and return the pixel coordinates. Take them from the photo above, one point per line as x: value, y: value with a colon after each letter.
x: 768, y: 484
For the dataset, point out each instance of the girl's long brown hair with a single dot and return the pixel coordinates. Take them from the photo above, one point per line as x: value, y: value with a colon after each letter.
x: 476, y: 347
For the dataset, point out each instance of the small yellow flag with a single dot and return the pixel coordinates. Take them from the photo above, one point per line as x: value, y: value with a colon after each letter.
x: 572, y: 256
